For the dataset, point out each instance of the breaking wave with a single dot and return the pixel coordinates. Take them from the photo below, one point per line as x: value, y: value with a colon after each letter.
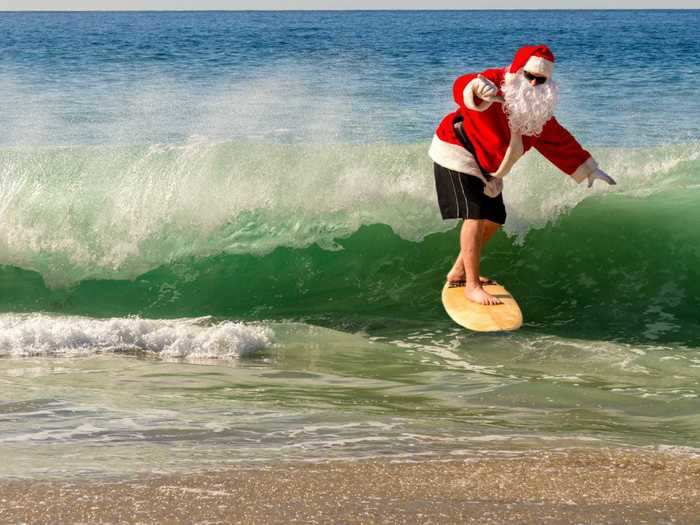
x: 338, y: 232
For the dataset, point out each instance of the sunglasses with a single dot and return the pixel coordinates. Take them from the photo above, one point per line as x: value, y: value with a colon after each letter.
x: 538, y: 80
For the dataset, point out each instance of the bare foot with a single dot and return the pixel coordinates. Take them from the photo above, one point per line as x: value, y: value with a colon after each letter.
x: 478, y: 295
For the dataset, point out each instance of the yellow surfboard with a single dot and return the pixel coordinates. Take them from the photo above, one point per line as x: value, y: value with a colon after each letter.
x: 480, y: 317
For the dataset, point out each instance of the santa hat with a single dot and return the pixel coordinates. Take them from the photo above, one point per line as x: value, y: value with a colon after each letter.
x: 538, y: 60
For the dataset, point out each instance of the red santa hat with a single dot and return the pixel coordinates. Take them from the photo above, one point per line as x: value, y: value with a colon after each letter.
x: 538, y: 60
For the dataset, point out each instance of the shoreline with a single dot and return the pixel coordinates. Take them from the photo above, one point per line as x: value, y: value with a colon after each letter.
x: 579, y: 485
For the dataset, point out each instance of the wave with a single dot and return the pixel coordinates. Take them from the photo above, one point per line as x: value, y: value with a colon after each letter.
x: 76, y: 213
x: 341, y: 233
x: 36, y: 334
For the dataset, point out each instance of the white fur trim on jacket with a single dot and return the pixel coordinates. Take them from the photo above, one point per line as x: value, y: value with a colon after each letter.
x: 539, y: 66
x: 454, y: 157
x: 584, y: 170
x: 469, y: 101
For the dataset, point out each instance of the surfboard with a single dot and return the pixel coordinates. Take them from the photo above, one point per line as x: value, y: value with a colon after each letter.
x: 480, y: 317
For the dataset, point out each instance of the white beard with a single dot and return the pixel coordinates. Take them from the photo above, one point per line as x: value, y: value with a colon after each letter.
x: 528, y: 107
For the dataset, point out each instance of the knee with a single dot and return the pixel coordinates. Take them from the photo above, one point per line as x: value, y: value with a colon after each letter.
x: 475, y: 225
x: 472, y: 228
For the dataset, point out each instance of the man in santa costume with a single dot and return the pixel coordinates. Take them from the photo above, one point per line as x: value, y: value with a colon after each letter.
x: 502, y: 114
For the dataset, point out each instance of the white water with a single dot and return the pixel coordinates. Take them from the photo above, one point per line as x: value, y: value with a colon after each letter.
x: 24, y: 335
x: 116, y: 212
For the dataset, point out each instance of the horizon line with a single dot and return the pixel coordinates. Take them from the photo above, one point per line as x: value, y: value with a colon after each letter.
x: 335, y: 10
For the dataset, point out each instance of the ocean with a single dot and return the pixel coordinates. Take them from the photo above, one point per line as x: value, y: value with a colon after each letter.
x: 220, y: 242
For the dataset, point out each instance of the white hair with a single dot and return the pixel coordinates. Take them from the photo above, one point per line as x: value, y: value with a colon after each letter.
x: 528, y: 107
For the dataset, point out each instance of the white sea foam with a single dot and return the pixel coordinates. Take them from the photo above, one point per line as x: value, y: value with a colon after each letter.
x: 115, y: 212
x: 39, y: 334
x: 537, y: 193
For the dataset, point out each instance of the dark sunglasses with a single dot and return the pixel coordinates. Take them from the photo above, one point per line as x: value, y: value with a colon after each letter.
x: 538, y: 80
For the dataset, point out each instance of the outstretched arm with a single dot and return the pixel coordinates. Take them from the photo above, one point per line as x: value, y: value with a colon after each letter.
x: 561, y: 149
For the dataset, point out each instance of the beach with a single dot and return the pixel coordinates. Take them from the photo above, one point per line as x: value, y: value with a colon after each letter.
x: 558, y: 487
x: 221, y: 257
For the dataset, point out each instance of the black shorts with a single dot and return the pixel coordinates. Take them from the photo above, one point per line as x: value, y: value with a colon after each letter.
x: 461, y: 196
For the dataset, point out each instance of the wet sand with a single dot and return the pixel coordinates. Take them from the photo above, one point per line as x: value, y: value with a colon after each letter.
x: 579, y: 486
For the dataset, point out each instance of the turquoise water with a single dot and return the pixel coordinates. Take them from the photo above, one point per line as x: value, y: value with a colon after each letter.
x: 219, y: 243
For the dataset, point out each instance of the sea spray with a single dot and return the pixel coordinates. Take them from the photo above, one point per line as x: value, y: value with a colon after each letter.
x: 77, y: 213
x: 60, y: 336
x: 264, y: 168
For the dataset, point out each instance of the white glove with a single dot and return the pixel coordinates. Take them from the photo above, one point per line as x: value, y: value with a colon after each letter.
x: 600, y: 174
x: 493, y: 187
x: 486, y: 90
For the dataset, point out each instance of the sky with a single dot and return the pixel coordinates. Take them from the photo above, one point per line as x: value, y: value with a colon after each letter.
x: 139, y: 5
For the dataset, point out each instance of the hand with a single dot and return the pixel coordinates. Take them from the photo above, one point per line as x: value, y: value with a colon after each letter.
x: 600, y: 174
x: 493, y: 187
x: 486, y: 90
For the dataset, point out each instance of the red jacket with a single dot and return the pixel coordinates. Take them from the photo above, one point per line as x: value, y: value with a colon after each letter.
x: 496, y: 148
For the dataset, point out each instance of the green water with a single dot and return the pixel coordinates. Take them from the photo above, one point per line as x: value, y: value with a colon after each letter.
x: 202, y: 344
x: 618, y: 268
x: 320, y: 394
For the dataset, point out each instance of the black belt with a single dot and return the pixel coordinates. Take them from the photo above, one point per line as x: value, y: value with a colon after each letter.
x: 462, y: 137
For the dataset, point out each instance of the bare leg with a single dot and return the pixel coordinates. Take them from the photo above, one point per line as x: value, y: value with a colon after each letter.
x: 470, y: 241
x: 457, y: 273
x: 489, y: 229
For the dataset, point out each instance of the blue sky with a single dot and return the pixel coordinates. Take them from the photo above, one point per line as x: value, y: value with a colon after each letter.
x: 21, y: 5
